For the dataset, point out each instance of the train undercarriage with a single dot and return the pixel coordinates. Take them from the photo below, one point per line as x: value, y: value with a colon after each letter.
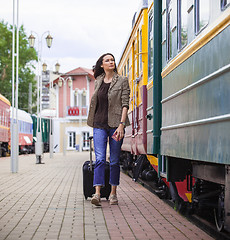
x: 207, y: 183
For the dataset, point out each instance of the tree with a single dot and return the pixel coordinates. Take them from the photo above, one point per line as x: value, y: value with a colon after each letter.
x: 26, y: 75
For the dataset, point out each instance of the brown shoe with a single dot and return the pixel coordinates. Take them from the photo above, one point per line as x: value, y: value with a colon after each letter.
x: 113, y: 200
x: 96, y: 200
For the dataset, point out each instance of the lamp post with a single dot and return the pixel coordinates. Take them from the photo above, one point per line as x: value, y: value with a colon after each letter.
x: 44, y: 68
x: 39, y: 143
x: 14, y: 121
x: 64, y: 80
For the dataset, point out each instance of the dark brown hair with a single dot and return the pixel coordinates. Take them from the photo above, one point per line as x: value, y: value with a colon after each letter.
x: 98, y: 70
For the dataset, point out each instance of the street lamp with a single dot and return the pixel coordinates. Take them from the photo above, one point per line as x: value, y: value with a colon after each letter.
x: 39, y: 143
x: 14, y: 121
x: 44, y: 67
x: 57, y: 67
x: 64, y: 80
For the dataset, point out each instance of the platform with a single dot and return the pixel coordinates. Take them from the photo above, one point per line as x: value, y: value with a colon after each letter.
x: 45, y: 201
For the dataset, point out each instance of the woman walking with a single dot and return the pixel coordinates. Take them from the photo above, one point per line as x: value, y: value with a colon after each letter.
x: 108, y: 117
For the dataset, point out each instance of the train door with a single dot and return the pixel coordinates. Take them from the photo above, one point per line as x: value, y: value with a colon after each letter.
x: 150, y: 87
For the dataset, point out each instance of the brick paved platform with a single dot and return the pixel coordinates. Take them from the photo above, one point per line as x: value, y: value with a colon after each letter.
x: 46, y: 202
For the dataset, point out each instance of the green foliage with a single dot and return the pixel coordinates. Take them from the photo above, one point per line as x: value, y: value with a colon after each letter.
x: 26, y: 75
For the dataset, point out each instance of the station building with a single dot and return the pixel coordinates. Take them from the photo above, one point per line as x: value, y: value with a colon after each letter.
x: 69, y: 97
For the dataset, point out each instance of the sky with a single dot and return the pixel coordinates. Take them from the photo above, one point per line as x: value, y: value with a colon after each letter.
x: 82, y: 30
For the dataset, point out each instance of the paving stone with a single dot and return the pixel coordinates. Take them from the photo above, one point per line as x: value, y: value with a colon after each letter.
x: 46, y: 202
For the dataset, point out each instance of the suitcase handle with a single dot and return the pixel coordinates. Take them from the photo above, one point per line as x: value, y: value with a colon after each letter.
x: 90, y: 152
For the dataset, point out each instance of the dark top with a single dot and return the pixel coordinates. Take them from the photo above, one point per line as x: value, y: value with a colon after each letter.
x: 101, y: 113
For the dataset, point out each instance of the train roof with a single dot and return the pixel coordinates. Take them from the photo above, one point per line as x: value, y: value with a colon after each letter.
x: 4, y: 99
x: 143, y: 5
x: 22, y: 115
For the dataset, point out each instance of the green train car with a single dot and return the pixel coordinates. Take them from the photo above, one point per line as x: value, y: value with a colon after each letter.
x: 45, y: 127
x: 195, y: 130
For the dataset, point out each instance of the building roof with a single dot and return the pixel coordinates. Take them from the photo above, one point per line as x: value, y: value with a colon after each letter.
x: 80, y: 71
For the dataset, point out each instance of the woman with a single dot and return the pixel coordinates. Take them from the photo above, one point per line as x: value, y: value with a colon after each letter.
x: 108, y: 117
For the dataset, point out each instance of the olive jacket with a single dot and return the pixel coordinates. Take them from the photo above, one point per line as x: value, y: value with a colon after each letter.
x: 118, y: 97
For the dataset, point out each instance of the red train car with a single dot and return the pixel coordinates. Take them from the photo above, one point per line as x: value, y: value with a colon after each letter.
x: 4, y: 125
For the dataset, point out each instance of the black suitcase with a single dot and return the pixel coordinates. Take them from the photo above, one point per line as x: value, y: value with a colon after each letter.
x: 88, y: 172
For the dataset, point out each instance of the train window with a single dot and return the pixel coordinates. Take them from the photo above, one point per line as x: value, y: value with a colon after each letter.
x: 168, y: 29
x: 202, y: 11
x: 225, y: 4
x: 150, y: 40
x: 140, y: 55
x: 182, y: 23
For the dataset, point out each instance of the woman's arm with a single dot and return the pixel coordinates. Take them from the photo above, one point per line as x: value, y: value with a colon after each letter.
x: 120, y: 130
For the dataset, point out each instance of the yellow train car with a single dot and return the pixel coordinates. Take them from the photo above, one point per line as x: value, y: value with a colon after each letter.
x: 134, y: 64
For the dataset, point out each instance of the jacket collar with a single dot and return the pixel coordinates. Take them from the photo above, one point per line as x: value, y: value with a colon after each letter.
x: 114, y: 80
x: 100, y: 79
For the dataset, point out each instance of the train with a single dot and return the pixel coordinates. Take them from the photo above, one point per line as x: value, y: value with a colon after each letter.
x: 178, y: 65
x: 4, y: 125
x: 27, y: 126
x: 25, y: 130
x: 45, y: 128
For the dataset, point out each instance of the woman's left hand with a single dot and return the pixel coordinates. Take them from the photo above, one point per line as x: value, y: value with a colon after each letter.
x: 119, y: 132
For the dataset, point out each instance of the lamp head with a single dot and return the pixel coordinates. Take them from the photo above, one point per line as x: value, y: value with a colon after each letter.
x: 31, y: 40
x: 49, y: 40
x: 70, y: 82
x: 57, y: 67
x: 60, y: 83
x: 44, y: 67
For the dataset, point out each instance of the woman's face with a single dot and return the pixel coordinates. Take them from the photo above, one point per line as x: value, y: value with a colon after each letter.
x: 108, y: 63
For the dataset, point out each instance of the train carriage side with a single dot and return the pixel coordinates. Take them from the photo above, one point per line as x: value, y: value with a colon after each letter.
x: 195, y: 101
x: 4, y: 125
x: 25, y: 130
x: 45, y: 127
x: 133, y: 64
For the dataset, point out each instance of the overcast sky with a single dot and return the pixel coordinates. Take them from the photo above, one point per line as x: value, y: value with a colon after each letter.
x: 81, y: 30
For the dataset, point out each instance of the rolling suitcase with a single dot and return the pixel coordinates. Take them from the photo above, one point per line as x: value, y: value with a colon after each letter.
x: 88, y: 173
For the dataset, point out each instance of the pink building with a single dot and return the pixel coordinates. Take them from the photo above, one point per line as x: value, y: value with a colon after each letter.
x: 70, y: 97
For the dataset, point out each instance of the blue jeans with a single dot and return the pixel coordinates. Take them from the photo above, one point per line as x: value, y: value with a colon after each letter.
x: 100, y: 139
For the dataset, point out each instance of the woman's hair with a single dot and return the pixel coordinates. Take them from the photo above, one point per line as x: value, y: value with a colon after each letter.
x: 97, y: 69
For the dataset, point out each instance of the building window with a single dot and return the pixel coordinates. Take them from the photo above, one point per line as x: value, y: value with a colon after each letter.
x: 150, y: 65
x: 182, y: 23
x: 168, y: 29
x: 80, y: 99
x: 85, y: 140
x: 75, y: 99
x: 72, y: 139
x: 202, y: 12
x: 128, y: 68
x: 83, y: 99
x: 225, y: 4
